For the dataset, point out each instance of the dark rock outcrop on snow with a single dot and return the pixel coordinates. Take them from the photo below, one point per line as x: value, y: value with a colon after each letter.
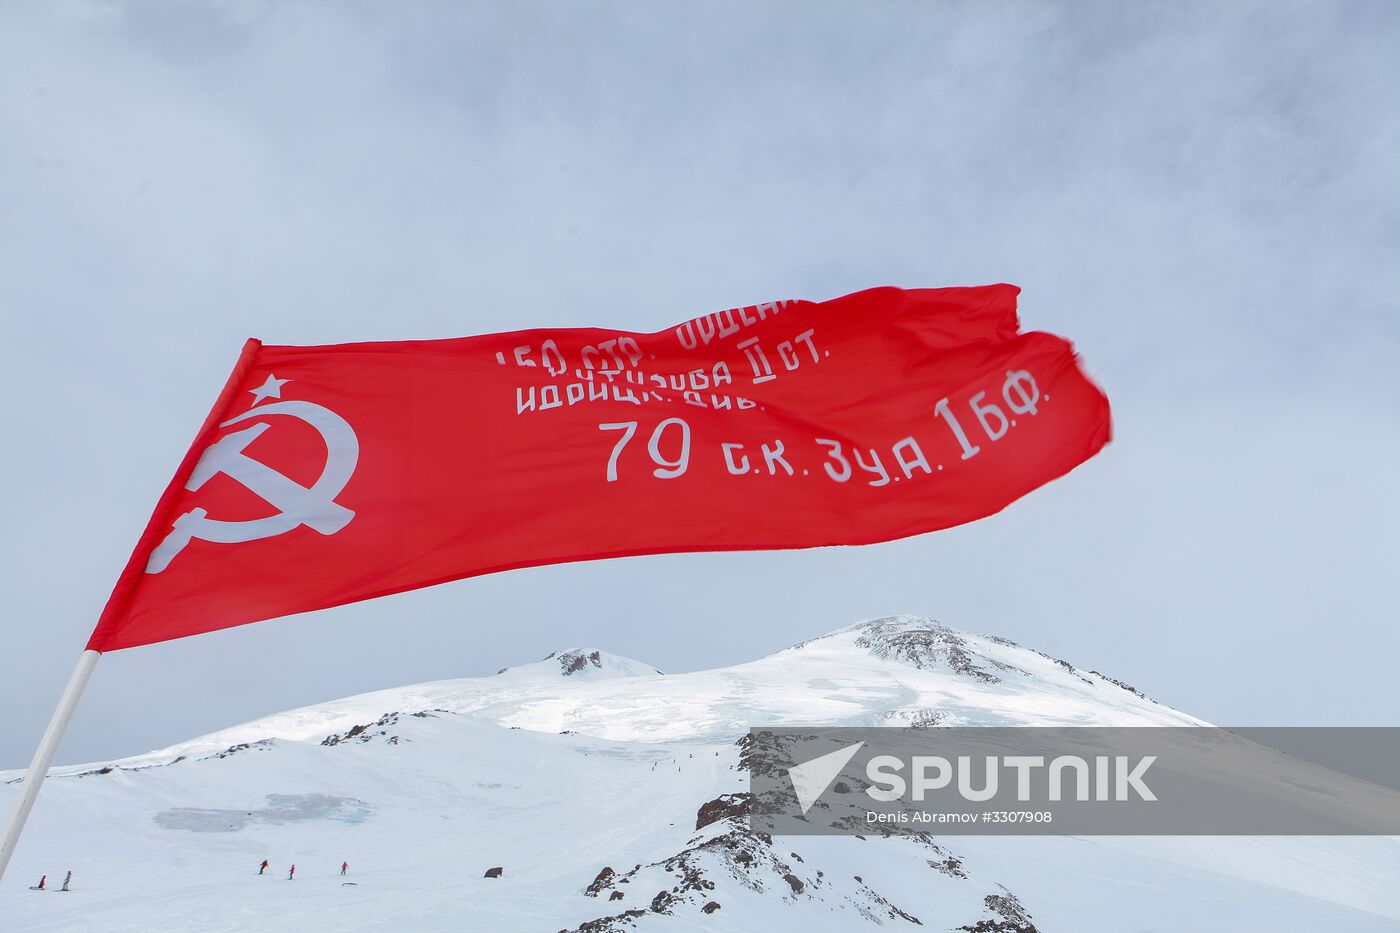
x: 1118, y: 683
x: 723, y: 807
x: 571, y: 662
x: 601, y: 883
x: 726, y: 850
x: 925, y: 645
x: 1008, y: 916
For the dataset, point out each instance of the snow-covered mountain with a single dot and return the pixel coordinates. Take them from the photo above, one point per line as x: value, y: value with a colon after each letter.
x: 610, y: 797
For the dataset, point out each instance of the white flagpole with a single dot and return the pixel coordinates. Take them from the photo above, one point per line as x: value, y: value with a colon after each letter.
x: 43, y: 756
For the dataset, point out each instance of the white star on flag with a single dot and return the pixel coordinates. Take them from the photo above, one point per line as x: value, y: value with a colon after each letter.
x: 272, y: 388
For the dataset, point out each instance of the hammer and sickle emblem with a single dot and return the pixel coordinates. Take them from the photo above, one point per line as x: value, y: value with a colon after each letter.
x: 296, y: 505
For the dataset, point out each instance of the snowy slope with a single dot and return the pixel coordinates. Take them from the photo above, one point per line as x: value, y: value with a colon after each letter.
x: 586, y: 761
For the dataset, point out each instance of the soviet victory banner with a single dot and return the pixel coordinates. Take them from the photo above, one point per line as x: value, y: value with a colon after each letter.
x: 326, y: 475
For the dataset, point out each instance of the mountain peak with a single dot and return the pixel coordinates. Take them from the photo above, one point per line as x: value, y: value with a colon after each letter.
x: 922, y: 643
x: 917, y: 641
x: 583, y: 664
x: 884, y: 626
x: 928, y: 645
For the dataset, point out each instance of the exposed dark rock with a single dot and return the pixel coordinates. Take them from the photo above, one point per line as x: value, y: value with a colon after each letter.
x: 615, y: 896
x: 728, y: 851
x: 723, y: 807
x: 571, y: 662
x: 607, y: 924
x: 767, y: 754
x: 951, y: 866
x: 362, y: 732
x: 260, y: 745
x: 924, y: 644
x: 1008, y: 916
x: 1119, y: 683
x: 111, y: 769
x: 997, y: 926
x: 493, y: 872
x: 601, y: 883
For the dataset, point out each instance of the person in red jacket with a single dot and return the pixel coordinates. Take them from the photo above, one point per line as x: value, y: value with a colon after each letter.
x: 344, y: 867
x: 291, y: 873
x: 40, y: 885
x: 263, y: 867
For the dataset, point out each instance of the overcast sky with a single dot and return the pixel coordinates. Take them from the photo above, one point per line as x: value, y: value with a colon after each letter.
x: 1205, y: 197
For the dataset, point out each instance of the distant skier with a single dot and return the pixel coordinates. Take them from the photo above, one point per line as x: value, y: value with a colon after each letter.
x: 66, y: 879
x: 40, y: 885
x: 344, y: 867
x: 291, y: 873
x: 263, y: 867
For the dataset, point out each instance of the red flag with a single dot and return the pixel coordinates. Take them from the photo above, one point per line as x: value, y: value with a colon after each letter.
x: 326, y: 475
